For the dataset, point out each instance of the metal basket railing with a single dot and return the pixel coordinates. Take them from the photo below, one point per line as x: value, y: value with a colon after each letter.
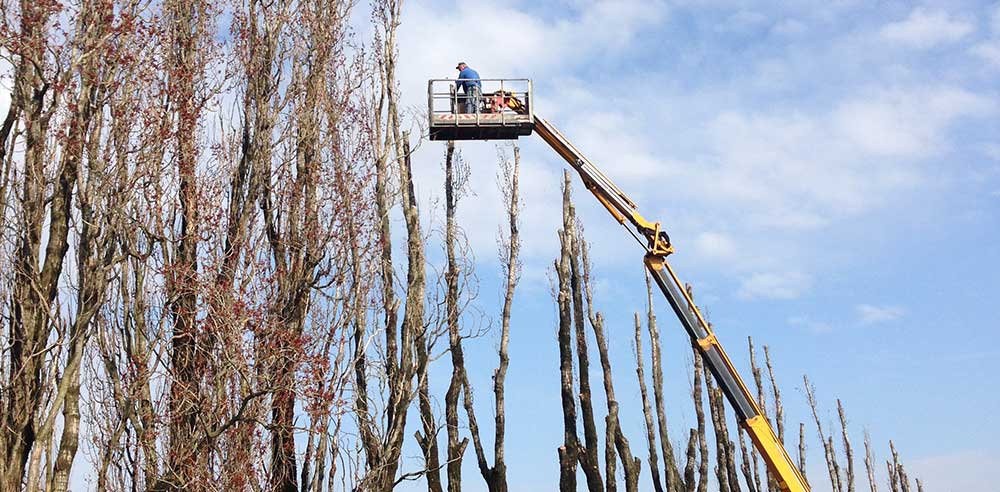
x: 443, y: 98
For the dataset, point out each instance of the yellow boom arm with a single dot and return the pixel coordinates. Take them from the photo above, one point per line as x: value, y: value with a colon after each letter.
x: 658, y: 246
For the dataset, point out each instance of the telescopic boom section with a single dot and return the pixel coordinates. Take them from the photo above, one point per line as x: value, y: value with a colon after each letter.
x: 658, y: 246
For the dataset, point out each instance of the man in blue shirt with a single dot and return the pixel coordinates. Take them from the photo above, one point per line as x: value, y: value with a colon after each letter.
x: 468, y: 81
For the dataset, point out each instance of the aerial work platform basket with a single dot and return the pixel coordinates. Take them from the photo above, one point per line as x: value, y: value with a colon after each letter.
x: 501, y: 110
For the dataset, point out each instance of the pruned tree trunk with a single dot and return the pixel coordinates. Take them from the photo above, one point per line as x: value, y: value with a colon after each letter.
x: 616, y: 444
x: 589, y: 459
x: 717, y: 412
x: 870, y: 463
x: 745, y: 466
x: 699, y: 409
x: 829, y: 452
x: 726, y: 472
x: 690, y: 481
x: 647, y: 411
x: 427, y: 439
x: 673, y: 478
x: 802, y: 449
x: 758, y: 379
x: 568, y: 452
x: 848, y: 451
x: 512, y: 267
x: 456, y: 446
x: 779, y: 409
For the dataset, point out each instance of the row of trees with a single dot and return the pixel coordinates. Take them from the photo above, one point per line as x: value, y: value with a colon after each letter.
x: 734, y: 469
x: 196, y: 200
x: 199, y: 281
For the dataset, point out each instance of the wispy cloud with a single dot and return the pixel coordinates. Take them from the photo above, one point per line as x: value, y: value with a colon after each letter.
x: 789, y: 27
x: 774, y: 285
x: 924, y: 29
x: 810, y: 324
x: 951, y: 471
x: 744, y: 168
x: 988, y: 51
x: 907, y: 122
x: 995, y: 20
x: 742, y: 21
x: 717, y: 246
x: 870, y: 315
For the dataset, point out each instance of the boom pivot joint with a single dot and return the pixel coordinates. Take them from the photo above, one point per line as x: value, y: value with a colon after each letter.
x: 659, y: 241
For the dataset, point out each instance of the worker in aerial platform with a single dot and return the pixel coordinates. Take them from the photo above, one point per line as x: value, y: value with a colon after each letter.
x: 468, y: 81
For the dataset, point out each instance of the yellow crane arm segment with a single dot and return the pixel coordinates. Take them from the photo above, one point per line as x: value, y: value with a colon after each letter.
x: 658, y: 246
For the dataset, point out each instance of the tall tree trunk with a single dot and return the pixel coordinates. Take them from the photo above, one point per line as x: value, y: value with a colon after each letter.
x: 615, y: 441
x: 779, y: 409
x: 802, y: 449
x: 512, y: 265
x: 496, y: 476
x: 696, y: 395
x: 412, y: 330
x: 699, y: 409
x: 456, y: 446
x: 568, y: 452
x: 758, y: 379
x: 29, y: 327
x: 673, y: 483
x: 647, y: 411
x: 589, y: 458
x: 829, y: 452
x: 186, y: 20
x: 848, y: 451
x: 870, y: 463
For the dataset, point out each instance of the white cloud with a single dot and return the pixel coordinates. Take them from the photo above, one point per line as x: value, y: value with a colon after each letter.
x: 429, y: 48
x: 734, y: 167
x: 925, y: 29
x: 869, y: 314
x: 810, y: 324
x: 995, y: 20
x: 800, y: 170
x: 952, y: 471
x: 991, y: 150
x: 511, y: 42
x: 789, y: 27
x: 774, y: 285
x: 909, y: 122
x: 744, y: 20
x: 988, y: 51
x: 716, y: 246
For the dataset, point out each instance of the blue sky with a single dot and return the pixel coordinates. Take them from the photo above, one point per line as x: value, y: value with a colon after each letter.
x: 829, y: 173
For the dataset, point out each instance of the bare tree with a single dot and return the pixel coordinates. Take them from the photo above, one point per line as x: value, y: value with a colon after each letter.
x: 61, y: 84
x: 454, y: 182
x: 870, y: 463
x: 779, y: 409
x: 848, y: 451
x: 647, y: 411
x: 616, y: 444
x: 510, y: 245
x: 833, y: 467
x: 568, y: 452
x: 589, y: 454
x: 802, y: 448
x: 672, y: 483
x: 696, y: 395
